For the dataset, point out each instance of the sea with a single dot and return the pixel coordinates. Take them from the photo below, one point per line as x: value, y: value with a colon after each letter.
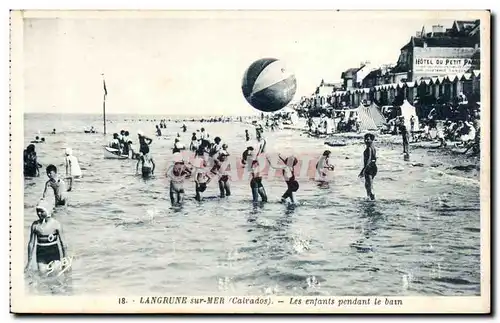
x: 421, y: 236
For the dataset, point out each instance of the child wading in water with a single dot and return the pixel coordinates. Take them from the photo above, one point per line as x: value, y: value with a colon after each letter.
x: 148, y: 165
x: 369, y: 170
x: 177, y: 175
x: 58, y: 185
x: 323, y: 166
x: 289, y: 176
x: 73, y: 169
x: 256, y: 181
x: 220, y: 169
x: 46, y: 241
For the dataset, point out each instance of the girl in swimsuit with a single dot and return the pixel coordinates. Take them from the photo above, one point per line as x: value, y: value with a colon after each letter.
x: 144, y: 142
x: 177, y: 174
x: 370, y: 169
x: 289, y: 176
x: 194, y: 142
x: 220, y: 168
x: 148, y: 165
x: 256, y: 181
x: 46, y: 242
x: 201, y: 180
x: 323, y: 165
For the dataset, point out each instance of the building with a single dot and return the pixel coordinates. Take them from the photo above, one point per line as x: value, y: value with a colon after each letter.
x: 324, y: 92
x: 379, y: 76
x: 353, y: 77
x: 439, y: 52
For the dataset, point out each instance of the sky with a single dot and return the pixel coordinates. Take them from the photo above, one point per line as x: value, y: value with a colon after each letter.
x: 194, y: 63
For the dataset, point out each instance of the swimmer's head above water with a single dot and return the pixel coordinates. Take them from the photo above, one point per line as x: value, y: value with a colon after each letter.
x: 115, y: 136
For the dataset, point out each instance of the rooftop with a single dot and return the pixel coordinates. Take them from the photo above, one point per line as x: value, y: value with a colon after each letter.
x: 442, y: 41
x: 350, y: 72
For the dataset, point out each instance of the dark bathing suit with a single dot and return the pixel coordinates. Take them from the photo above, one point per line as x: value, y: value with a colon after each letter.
x: 371, y: 169
x: 48, y: 249
x: 292, y: 183
x: 217, y: 167
x: 256, y: 182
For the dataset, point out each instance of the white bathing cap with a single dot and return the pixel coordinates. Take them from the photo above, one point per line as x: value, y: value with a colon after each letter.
x: 69, y: 151
x: 42, y: 206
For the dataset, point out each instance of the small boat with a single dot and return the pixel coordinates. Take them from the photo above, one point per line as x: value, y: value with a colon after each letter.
x: 90, y: 131
x: 333, y: 143
x: 111, y: 153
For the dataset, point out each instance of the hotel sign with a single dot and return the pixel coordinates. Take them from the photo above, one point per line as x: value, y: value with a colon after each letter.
x: 435, y: 66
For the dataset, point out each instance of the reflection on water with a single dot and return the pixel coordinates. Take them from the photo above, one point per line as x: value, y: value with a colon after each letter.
x: 421, y: 237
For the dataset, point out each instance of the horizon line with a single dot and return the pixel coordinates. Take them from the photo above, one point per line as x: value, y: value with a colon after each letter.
x: 136, y: 113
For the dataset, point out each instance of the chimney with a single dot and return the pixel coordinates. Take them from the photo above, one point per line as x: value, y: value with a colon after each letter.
x: 418, y: 34
x: 437, y: 29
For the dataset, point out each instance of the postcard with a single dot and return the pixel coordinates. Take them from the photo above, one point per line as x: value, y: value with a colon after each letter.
x: 250, y: 161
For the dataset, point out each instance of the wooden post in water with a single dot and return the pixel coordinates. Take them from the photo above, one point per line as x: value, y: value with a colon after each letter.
x: 104, y: 103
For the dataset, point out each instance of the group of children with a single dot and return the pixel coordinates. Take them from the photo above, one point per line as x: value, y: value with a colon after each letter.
x: 211, y: 162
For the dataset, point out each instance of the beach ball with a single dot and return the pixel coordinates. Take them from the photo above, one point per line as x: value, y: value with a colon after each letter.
x: 268, y: 85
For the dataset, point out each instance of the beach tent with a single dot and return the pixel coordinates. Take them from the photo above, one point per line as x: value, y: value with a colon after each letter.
x: 407, y: 111
x: 370, y: 117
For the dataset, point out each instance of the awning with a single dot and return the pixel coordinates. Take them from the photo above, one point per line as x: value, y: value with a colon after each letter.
x: 476, y: 73
x: 428, y: 81
x: 434, y: 79
x: 467, y: 76
x: 410, y: 84
x: 441, y: 79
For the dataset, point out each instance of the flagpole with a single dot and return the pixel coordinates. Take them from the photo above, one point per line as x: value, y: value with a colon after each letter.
x: 104, y: 104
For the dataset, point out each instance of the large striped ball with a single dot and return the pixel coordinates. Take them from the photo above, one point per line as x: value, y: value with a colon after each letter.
x: 268, y: 85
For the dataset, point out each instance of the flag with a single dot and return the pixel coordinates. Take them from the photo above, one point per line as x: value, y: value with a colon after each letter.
x: 105, y: 90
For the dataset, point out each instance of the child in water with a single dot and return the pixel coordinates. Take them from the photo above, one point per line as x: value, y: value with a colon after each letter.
x: 46, y: 241
x: 58, y: 185
x: 177, y: 174
x: 370, y: 169
x: 148, y: 165
x: 220, y: 169
x: 73, y: 169
x: 31, y: 164
x: 323, y: 166
x: 201, y: 179
x: 256, y: 181
x: 144, y: 142
x: 289, y: 176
